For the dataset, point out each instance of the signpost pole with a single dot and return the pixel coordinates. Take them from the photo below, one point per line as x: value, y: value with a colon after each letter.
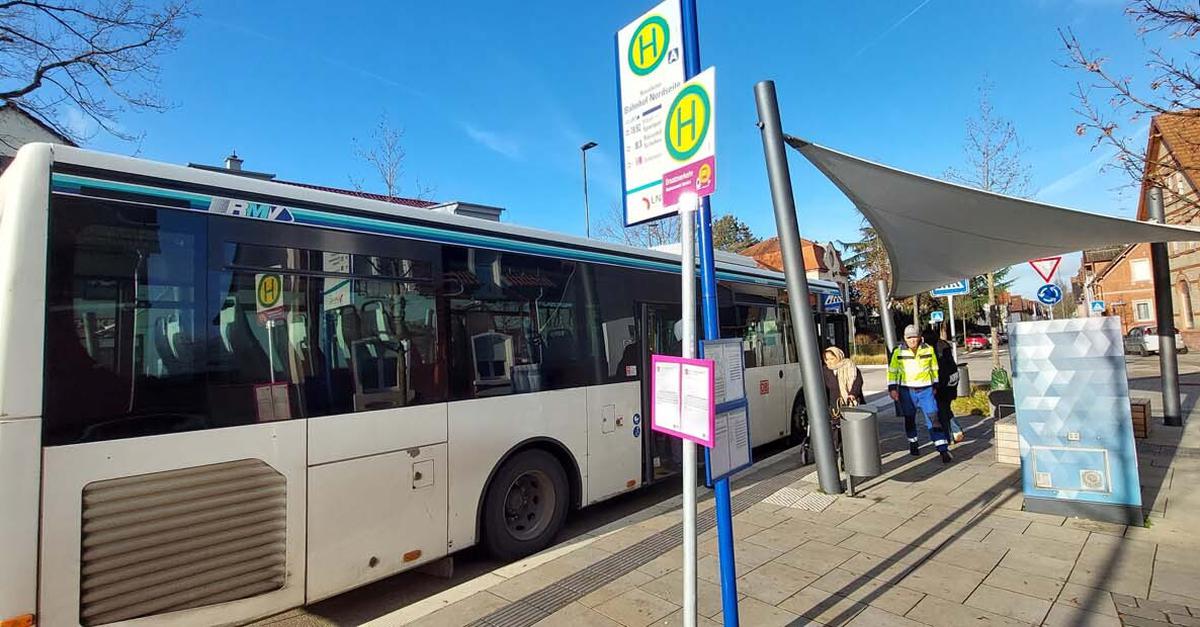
x: 687, y: 251
x: 712, y: 331
x: 803, y: 326
x: 953, y: 338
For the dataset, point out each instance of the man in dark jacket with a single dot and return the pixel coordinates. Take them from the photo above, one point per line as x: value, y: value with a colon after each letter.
x: 946, y: 389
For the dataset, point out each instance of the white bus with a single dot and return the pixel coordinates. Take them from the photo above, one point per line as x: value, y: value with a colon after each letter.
x: 223, y: 397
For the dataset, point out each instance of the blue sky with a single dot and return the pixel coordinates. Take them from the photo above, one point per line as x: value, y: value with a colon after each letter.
x: 496, y: 98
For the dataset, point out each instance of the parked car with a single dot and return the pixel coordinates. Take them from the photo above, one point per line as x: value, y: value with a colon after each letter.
x: 976, y: 341
x: 1143, y: 340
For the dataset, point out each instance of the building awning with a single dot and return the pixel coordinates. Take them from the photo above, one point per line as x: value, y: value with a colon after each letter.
x: 937, y: 232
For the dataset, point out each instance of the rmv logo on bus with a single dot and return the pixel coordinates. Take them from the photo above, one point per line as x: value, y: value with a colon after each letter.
x: 262, y: 211
x: 648, y: 46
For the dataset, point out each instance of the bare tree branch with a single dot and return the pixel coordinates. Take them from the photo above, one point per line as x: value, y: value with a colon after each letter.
x: 1107, y: 101
x: 611, y: 227
x: 386, y: 154
x: 93, y: 57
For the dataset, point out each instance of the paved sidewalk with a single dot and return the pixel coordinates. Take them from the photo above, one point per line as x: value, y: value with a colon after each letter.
x: 924, y: 544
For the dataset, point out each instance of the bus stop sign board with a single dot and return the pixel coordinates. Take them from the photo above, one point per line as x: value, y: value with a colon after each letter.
x: 650, y: 69
x: 690, y: 137
x: 268, y: 292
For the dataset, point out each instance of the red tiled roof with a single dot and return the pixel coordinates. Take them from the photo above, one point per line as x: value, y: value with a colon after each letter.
x: 395, y: 200
x: 1179, y: 133
x: 768, y: 254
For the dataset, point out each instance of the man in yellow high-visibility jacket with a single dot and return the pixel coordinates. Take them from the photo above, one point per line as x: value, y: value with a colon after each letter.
x: 912, y: 378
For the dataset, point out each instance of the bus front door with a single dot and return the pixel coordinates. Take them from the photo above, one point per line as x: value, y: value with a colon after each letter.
x: 661, y: 454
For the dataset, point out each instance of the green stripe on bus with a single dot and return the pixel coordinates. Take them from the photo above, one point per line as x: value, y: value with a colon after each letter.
x: 314, y: 217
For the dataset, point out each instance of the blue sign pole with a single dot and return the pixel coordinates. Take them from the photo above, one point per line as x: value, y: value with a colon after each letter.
x: 712, y: 331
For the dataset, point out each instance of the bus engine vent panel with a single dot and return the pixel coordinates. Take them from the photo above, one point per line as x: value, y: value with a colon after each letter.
x: 181, y: 539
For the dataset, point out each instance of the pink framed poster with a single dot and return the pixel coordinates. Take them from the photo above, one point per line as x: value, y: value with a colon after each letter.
x: 681, y: 398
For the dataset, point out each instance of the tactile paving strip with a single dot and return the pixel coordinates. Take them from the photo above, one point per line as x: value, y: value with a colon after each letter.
x: 538, y: 605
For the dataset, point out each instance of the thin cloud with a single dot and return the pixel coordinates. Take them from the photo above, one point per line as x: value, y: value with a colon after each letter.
x: 1074, y: 178
x: 1083, y: 173
x: 493, y: 141
x: 889, y: 30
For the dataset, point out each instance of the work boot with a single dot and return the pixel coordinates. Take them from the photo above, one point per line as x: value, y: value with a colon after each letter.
x: 946, y: 457
x: 913, y: 449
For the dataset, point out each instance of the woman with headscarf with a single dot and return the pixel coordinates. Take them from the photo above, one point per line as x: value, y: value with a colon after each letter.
x: 846, y: 382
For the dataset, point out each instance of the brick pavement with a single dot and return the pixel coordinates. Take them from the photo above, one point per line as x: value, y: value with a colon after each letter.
x: 924, y: 544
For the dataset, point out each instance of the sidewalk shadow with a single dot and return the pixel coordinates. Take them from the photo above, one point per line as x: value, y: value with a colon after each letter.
x: 1152, y: 476
x: 1158, y: 451
x: 970, y: 512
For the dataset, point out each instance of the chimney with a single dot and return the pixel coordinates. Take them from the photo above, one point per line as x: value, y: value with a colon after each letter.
x: 232, y: 162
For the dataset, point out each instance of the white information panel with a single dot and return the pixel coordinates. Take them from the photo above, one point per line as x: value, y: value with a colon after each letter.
x: 730, y: 451
x: 682, y: 393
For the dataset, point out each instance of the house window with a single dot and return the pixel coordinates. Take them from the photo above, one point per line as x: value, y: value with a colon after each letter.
x: 1141, y: 311
x: 1140, y: 269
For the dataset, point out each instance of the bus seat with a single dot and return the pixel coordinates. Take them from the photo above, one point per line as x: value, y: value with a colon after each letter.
x: 165, y: 347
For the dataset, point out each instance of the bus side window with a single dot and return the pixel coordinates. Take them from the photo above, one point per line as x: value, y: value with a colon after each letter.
x: 125, y: 347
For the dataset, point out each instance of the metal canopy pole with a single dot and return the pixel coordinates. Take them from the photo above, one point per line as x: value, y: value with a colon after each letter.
x: 803, y: 326
x: 1165, y: 313
x: 885, y: 314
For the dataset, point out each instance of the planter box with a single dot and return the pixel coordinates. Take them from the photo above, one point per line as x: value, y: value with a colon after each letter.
x: 1139, y: 409
x: 1008, y: 443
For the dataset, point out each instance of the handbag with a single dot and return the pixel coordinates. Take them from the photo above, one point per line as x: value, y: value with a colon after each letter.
x: 956, y: 432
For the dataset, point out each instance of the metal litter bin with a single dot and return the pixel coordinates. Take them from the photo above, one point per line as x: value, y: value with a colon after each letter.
x: 860, y: 442
x: 964, y: 381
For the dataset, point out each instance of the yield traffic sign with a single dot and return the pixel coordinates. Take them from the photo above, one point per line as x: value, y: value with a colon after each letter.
x: 1046, y: 267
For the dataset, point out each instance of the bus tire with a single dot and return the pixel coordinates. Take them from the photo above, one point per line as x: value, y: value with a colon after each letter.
x: 525, y: 506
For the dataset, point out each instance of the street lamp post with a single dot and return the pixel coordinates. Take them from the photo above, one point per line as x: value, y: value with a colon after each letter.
x: 587, y: 212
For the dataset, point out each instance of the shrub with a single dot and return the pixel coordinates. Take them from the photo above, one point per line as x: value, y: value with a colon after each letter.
x: 974, y: 405
x: 874, y: 359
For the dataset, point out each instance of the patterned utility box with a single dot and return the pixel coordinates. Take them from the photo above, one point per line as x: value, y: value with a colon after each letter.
x: 1073, y: 419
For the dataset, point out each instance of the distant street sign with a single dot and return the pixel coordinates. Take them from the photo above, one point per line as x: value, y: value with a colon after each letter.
x: 834, y: 302
x: 1046, y: 267
x: 649, y: 72
x: 1049, y: 294
x: 953, y: 289
x: 691, y: 139
x: 1097, y: 306
x: 936, y: 316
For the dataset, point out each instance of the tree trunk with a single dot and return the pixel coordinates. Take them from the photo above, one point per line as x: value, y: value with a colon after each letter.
x: 992, y: 320
x: 917, y: 311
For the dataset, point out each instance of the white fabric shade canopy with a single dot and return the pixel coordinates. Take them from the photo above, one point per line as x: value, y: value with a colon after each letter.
x: 937, y: 232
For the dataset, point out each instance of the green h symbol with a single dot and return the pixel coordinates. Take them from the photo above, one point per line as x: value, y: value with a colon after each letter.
x: 689, y: 121
x: 648, y: 40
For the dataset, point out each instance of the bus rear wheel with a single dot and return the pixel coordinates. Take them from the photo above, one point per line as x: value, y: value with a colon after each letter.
x: 525, y: 506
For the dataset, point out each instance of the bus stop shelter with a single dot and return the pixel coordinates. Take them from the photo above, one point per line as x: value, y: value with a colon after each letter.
x: 937, y: 232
